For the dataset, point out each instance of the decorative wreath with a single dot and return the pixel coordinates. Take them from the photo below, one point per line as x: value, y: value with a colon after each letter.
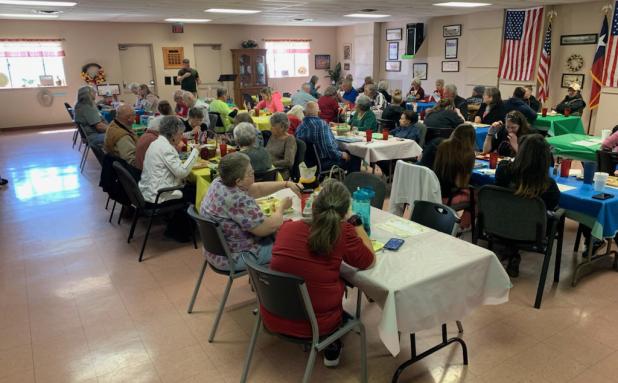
x: 575, y: 62
x: 93, y: 74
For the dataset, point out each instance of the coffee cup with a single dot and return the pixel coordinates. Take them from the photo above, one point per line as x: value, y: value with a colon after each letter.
x: 605, y: 133
x: 600, y: 179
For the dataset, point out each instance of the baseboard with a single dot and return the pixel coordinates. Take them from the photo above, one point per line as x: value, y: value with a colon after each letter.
x: 38, y: 127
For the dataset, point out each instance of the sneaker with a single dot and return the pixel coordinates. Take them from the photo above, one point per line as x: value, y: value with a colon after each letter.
x: 332, y: 353
x: 512, y: 269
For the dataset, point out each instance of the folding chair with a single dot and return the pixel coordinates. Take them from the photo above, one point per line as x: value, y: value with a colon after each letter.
x: 357, y: 180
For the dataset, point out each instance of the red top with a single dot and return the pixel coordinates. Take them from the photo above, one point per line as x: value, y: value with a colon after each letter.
x: 329, y: 108
x: 274, y: 105
x: 182, y: 110
x: 291, y: 255
x: 294, y: 122
x: 142, y: 146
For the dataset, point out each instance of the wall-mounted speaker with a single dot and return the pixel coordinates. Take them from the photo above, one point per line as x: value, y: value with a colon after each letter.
x: 415, y: 36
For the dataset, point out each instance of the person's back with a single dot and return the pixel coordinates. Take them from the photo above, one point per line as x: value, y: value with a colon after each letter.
x: 329, y: 108
x: 519, y: 105
x: 223, y: 109
x: 392, y: 112
x: 443, y: 119
x: 260, y: 159
x: 143, y: 143
x: 302, y: 98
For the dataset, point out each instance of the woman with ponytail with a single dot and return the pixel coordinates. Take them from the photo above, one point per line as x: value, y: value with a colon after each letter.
x: 314, y: 250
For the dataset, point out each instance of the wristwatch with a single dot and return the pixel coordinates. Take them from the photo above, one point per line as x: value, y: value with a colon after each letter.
x: 355, y: 220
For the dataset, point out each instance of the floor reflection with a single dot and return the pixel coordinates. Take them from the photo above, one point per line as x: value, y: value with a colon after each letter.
x: 51, y: 183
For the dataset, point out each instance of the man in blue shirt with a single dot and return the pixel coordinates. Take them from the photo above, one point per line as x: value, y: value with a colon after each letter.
x: 349, y: 93
x: 303, y: 96
x: 314, y: 130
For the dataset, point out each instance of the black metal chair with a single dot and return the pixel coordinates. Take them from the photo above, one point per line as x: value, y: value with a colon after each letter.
x: 385, y: 124
x: 248, y: 100
x: 71, y: 113
x: 357, y: 180
x: 286, y: 296
x: 214, y: 242
x: 433, y: 133
x: 98, y: 153
x: 269, y: 175
x: 142, y: 209
x: 468, y: 206
x: 607, y: 161
x: 301, y: 149
x: 312, y: 158
x: 521, y: 223
x: 83, y: 141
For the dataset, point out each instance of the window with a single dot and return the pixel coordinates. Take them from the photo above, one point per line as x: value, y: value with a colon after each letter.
x: 31, y: 63
x: 287, y: 58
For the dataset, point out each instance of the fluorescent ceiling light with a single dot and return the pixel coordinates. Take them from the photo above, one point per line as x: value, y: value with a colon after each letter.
x: 366, y: 15
x: 26, y: 16
x: 232, y: 11
x: 460, y: 4
x: 187, y: 20
x: 39, y: 3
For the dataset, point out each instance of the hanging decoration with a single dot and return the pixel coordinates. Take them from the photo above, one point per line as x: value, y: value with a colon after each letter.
x: 93, y: 74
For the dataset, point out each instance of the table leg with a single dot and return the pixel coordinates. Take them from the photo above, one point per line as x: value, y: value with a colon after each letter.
x: 589, y: 259
x: 415, y: 358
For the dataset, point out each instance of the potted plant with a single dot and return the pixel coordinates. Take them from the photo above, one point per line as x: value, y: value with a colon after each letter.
x: 334, y: 74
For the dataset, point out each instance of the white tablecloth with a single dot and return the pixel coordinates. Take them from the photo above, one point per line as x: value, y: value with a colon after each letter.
x: 432, y: 279
x: 380, y: 150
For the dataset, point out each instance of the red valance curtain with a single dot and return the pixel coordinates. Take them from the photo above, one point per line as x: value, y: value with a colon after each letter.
x: 287, y: 46
x: 31, y: 48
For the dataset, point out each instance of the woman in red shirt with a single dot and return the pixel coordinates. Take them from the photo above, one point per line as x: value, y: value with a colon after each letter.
x: 329, y: 107
x: 314, y: 250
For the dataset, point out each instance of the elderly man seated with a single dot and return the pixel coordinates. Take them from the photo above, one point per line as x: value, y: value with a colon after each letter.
x: 303, y: 96
x: 450, y: 92
x: 349, y: 93
x: 120, y: 140
x: 226, y: 114
x: 313, y: 130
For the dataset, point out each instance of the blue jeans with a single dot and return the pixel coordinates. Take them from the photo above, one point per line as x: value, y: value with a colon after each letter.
x: 261, y: 258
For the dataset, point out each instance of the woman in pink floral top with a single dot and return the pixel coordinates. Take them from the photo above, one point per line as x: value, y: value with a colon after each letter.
x: 230, y: 201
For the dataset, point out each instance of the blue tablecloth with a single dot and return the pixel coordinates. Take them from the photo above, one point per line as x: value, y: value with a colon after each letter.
x: 481, y: 133
x: 601, y: 216
x: 107, y: 115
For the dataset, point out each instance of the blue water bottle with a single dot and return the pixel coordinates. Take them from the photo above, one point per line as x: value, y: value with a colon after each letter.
x: 361, y: 206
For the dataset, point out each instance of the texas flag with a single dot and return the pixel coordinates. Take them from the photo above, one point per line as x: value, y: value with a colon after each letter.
x: 596, y: 72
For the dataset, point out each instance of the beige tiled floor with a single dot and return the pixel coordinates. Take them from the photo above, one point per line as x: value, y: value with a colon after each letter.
x: 76, y: 306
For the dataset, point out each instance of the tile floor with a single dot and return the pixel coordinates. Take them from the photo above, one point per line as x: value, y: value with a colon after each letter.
x: 76, y: 306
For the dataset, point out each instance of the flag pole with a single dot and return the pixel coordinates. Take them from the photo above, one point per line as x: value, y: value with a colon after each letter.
x: 606, y: 8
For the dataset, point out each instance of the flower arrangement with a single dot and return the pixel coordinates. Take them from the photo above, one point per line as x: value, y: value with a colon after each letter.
x: 249, y: 44
x: 93, y: 74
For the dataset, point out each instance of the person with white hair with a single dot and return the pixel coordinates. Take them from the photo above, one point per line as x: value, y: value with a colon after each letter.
x: 181, y: 108
x: 416, y: 90
x: 282, y: 146
x: 383, y: 89
x: 295, y: 115
x: 377, y: 99
x: 88, y: 116
x: 303, y: 96
x: 151, y: 134
x: 450, y: 92
x: 438, y: 94
x: 363, y: 118
x: 246, y: 137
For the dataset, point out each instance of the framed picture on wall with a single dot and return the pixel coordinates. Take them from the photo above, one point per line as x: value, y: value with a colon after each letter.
x: 393, y: 51
x: 420, y: 71
x: 322, y: 62
x: 450, y: 48
x: 346, y: 66
x: 450, y: 66
x: 451, y: 30
x: 590, y: 38
x: 568, y: 79
x: 393, y: 66
x: 393, y: 34
x: 347, y: 51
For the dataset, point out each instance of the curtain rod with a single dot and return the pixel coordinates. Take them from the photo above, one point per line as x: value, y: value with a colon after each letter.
x: 281, y: 40
x: 31, y: 40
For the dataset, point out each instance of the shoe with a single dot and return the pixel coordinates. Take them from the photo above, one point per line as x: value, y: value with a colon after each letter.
x: 512, y: 268
x: 596, y: 246
x: 332, y: 353
x: 3, y: 181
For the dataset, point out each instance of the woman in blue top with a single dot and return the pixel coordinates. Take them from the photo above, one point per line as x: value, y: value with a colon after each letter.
x: 408, y: 128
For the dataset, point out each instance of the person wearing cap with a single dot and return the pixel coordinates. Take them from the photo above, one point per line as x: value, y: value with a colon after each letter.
x: 188, y: 77
x: 573, y: 100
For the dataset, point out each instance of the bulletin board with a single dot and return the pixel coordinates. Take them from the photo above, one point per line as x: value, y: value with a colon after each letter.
x: 172, y: 57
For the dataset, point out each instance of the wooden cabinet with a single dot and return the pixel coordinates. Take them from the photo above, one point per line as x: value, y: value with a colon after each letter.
x: 251, y: 72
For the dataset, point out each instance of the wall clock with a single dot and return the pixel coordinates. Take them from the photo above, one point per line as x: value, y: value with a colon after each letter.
x: 575, y: 62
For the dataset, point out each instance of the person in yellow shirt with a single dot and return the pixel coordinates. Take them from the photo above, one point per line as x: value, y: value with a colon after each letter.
x: 226, y: 114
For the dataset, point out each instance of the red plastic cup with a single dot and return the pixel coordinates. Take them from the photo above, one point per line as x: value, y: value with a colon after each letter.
x: 303, y: 201
x: 369, y: 134
x: 493, y: 160
x: 137, y: 119
x: 565, y: 166
x: 544, y: 112
x: 567, y: 112
x: 257, y: 112
x: 223, y: 149
x: 422, y: 115
x: 385, y: 134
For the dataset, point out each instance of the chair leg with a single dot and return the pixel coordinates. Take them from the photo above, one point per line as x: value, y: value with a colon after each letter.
x: 213, y: 331
x: 539, y: 291
x: 578, y: 238
x: 133, y: 224
x: 75, y: 134
x: 559, y: 251
x: 107, y: 203
x: 112, y: 213
x: 194, y: 239
x: 141, y: 254
x: 120, y: 215
x: 82, y: 163
x: 79, y: 149
x: 363, y: 353
x: 197, y: 287
x: 256, y: 331
x: 310, y: 364
x: 459, y: 327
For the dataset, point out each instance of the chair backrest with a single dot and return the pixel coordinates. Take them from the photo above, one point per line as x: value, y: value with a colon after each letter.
x: 433, y: 133
x: 279, y: 293
x: 312, y: 157
x: 385, y: 124
x: 266, y: 136
x: 130, y: 186
x: 301, y: 149
x: 248, y: 100
x: 213, y: 239
x: 269, y: 175
x: 607, y: 161
x: 82, y: 133
x: 70, y: 110
x: 423, y: 134
x: 98, y: 153
x: 436, y: 216
x: 215, y: 120
x: 413, y: 183
x: 504, y: 215
x: 287, y: 94
x: 357, y: 180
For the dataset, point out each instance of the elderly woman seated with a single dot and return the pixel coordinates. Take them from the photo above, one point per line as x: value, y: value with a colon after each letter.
x: 246, y: 137
x: 230, y: 201
x: 88, y: 116
x: 163, y: 169
x: 146, y: 100
x: 363, y: 118
x: 181, y: 108
x: 246, y: 117
x: 281, y: 146
x: 295, y: 115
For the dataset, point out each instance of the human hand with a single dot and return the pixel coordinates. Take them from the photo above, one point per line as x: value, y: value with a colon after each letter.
x: 494, y: 128
x: 512, y: 140
x: 285, y: 204
x: 294, y: 187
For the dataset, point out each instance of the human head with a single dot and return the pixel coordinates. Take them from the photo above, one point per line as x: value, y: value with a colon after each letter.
x: 221, y: 93
x: 314, y: 79
x: 266, y: 93
x: 363, y: 103
x: 125, y: 114
x: 530, y: 166
x: 368, y: 80
x: 134, y: 88
x: 245, y: 134
x: 439, y: 84
x: 450, y: 91
x: 408, y: 118
x: 235, y: 170
x: 455, y: 156
x: 346, y: 85
x: 186, y: 63
x: 528, y: 89
x: 279, y: 124
x: 85, y: 95
x: 306, y: 87
x: 189, y: 99
x: 243, y: 117
x: 330, y: 91
x: 465, y: 135
x: 164, y: 108
x: 478, y: 91
x: 171, y: 128
x: 312, y: 109
x: 349, y: 77
x: 519, y: 92
x: 143, y: 90
x: 370, y: 90
x: 298, y: 111
x: 328, y: 210
x: 178, y: 96
x: 383, y: 85
x: 574, y: 89
x: 397, y: 98
x: 516, y: 123
x: 195, y: 117
x: 416, y: 83
x: 492, y: 96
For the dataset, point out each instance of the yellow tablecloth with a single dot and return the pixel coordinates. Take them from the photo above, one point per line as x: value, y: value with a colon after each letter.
x: 202, y: 179
x: 286, y: 101
x: 262, y: 122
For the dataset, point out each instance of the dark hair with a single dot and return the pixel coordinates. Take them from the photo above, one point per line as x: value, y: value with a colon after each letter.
x: 165, y: 108
x: 329, y: 207
x: 411, y: 116
x: 516, y: 117
x: 221, y: 92
x: 519, y: 92
x: 494, y: 93
x: 196, y: 113
x: 530, y: 166
x: 455, y: 156
x: 615, y: 129
x: 444, y: 104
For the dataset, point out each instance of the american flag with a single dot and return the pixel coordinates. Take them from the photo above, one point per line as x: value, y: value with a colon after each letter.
x: 520, y: 44
x: 611, y: 68
x: 543, y: 74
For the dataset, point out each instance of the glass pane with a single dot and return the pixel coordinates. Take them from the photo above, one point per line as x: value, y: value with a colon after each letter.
x: 245, y: 70
x: 25, y: 71
x: 287, y: 58
x: 54, y: 67
x: 5, y: 79
x: 260, y: 69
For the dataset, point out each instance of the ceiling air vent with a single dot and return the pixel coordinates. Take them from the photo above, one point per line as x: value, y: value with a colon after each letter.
x: 46, y: 12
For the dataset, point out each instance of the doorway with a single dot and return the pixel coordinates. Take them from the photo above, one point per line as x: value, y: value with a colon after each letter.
x: 137, y: 65
x: 208, y: 65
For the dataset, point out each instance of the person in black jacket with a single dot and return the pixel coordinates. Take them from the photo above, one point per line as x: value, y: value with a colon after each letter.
x: 393, y: 111
x: 517, y: 103
x: 529, y: 99
x: 572, y: 100
x: 450, y: 92
x: 492, y: 109
x: 529, y: 176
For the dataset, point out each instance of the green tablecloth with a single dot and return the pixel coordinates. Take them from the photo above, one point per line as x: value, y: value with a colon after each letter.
x: 139, y: 129
x: 573, y: 146
x: 558, y: 125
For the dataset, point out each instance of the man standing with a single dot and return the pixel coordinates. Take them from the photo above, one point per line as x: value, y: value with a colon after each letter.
x: 188, y: 78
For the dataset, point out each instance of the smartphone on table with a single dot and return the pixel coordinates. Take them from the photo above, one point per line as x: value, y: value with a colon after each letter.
x: 394, y: 244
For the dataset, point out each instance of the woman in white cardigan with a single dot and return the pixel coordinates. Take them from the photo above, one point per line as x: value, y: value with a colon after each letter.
x: 162, y: 169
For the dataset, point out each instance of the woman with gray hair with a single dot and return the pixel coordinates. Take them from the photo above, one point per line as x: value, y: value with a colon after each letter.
x: 162, y: 169
x: 246, y: 137
x: 296, y: 115
x: 281, y: 147
x: 383, y: 89
x: 231, y: 202
x: 416, y: 91
x: 329, y: 107
x: 378, y: 101
x: 88, y: 117
x: 363, y: 118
